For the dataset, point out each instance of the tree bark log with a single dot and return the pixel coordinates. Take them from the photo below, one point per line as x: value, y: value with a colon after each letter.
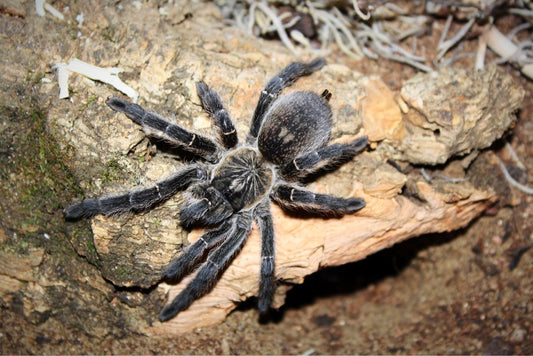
x: 304, y: 246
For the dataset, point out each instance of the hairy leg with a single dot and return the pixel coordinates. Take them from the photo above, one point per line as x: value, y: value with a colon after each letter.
x: 285, y: 78
x: 156, y: 126
x: 192, y: 256
x: 294, y: 198
x: 267, y: 279
x: 328, y: 156
x: 210, y: 272
x: 138, y: 200
x: 212, y: 104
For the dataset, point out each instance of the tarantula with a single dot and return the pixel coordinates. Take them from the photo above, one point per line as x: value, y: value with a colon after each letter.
x: 231, y: 184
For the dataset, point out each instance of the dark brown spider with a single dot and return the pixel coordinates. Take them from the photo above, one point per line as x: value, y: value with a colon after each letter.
x: 233, y: 184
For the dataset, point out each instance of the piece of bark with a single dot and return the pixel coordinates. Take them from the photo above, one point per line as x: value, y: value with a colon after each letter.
x: 446, y: 113
x: 304, y: 246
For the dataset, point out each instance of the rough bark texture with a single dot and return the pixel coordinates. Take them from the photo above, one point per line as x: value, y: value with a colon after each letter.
x: 304, y: 246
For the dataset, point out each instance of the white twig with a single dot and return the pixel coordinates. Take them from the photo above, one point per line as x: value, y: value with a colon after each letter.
x: 430, y: 178
x: 457, y: 55
x: 505, y: 48
x: 426, y: 175
x: 105, y: 75
x: 300, y: 38
x: 279, y: 26
x: 445, y: 30
x: 409, y: 26
x: 520, y: 55
x: 446, y: 45
x: 335, y: 24
x: 291, y: 22
x: 343, y: 25
x: 395, y: 8
x: 62, y: 79
x: 358, y: 11
x: 251, y: 18
x: 481, y: 51
x: 517, y: 29
x: 387, y: 48
x: 53, y: 11
x: 512, y: 181
x: 521, y: 12
x: 514, y: 156
x: 41, y: 5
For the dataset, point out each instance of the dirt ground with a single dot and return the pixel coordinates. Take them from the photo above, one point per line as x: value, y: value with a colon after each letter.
x: 463, y: 292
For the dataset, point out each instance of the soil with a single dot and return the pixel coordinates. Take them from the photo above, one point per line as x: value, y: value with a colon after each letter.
x: 467, y: 291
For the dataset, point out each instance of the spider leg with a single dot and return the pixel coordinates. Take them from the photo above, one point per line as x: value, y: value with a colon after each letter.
x: 285, y: 78
x: 206, y: 206
x: 185, y: 263
x: 325, y: 157
x: 266, y: 284
x: 138, y: 200
x: 212, y: 104
x: 292, y: 197
x: 156, y: 126
x: 211, y: 271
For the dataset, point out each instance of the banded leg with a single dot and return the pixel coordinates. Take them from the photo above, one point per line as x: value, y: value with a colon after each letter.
x: 285, y: 78
x: 138, y: 200
x: 156, y: 126
x: 325, y: 157
x: 210, y: 272
x: 212, y: 104
x: 292, y: 198
x: 267, y: 278
x: 191, y: 257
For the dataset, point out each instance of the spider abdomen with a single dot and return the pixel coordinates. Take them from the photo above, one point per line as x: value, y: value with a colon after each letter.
x: 295, y: 123
x: 242, y: 178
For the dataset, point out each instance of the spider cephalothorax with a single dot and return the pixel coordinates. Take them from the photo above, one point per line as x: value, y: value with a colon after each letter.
x: 233, y: 184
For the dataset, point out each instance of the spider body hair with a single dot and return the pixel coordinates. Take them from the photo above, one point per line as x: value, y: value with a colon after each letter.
x: 243, y: 178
